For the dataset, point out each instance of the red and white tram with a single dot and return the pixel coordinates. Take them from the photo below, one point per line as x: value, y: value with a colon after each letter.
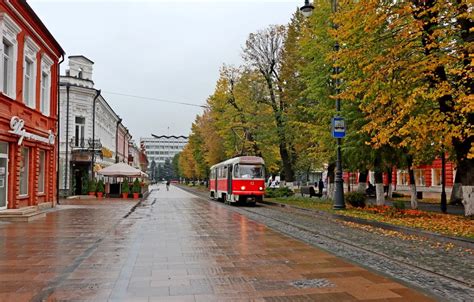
x: 239, y: 179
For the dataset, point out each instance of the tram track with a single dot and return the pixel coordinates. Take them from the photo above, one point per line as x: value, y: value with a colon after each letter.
x: 424, y: 278
x: 411, y: 265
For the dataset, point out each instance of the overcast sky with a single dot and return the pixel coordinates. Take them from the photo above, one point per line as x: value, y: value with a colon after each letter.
x: 168, y: 50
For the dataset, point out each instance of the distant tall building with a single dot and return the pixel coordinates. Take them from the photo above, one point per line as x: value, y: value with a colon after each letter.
x: 159, y: 148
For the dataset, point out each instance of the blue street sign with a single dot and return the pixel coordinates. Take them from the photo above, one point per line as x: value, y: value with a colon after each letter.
x: 338, y: 127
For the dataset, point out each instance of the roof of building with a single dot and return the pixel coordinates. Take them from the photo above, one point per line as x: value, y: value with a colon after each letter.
x: 169, y: 136
x: 82, y: 57
x: 41, y: 24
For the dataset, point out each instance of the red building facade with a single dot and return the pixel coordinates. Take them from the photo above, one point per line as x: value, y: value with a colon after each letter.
x: 29, y: 71
x: 427, y: 177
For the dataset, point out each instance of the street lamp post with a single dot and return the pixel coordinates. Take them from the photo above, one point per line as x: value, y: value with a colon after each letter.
x: 307, y: 10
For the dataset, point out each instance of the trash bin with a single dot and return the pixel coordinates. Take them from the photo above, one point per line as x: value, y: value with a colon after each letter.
x: 419, y: 195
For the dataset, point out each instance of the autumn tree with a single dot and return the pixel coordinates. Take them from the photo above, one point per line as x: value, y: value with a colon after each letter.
x: 263, y: 51
x: 404, y: 60
x: 175, y: 162
x: 244, y: 126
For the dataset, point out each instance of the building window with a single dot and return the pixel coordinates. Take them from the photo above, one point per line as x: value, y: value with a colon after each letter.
x: 41, y: 177
x: 8, y: 35
x: 436, y: 177
x: 7, y: 67
x: 29, y: 73
x: 44, y: 104
x: 24, y: 167
x: 80, y: 126
x: 29, y: 87
x: 403, y: 178
x: 419, y: 177
x: 45, y: 99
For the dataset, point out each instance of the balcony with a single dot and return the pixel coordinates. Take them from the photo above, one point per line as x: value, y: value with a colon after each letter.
x: 83, y: 145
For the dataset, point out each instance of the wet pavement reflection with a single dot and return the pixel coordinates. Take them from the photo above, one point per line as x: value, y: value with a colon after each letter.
x: 173, y: 247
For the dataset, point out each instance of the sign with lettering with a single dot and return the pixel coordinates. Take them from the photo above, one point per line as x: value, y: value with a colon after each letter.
x: 17, y: 125
x: 338, y: 127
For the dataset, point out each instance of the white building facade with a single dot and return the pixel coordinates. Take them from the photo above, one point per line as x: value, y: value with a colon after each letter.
x: 160, y: 148
x: 88, y: 138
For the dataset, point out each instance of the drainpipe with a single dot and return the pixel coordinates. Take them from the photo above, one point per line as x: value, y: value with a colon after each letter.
x: 116, y: 140
x: 59, y: 146
x: 93, y: 131
x: 66, y: 176
x: 125, y: 156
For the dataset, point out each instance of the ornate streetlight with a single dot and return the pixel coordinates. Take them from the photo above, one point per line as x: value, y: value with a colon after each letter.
x: 307, y: 9
x: 338, y: 121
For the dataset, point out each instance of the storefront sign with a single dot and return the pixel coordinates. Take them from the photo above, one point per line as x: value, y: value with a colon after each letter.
x: 17, y: 125
x: 81, y: 156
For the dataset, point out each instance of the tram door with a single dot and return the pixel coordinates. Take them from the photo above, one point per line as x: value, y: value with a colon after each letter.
x: 229, y: 180
x: 216, y: 172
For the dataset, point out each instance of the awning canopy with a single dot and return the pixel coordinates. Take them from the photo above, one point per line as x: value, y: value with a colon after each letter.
x: 121, y: 170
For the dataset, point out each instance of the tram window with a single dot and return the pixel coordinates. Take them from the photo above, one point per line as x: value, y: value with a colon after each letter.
x: 236, y: 171
x: 248, y: 171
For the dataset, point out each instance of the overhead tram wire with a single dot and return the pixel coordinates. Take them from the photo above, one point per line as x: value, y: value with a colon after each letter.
x: 155, y: 99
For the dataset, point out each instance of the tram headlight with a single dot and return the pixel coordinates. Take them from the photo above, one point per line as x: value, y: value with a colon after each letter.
x: 242, y: 188
x: 261, y: 189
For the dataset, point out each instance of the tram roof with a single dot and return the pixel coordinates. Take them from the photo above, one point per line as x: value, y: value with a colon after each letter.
x: 250, y: 160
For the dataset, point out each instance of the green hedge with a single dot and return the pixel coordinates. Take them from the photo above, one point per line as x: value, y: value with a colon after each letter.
x: 399, y: 204
x: 136, y: 188
x: 356, y: 199
x: 92, y: 185
x: 278, y: 192
x: 125, y: 186
x: 100, y: 186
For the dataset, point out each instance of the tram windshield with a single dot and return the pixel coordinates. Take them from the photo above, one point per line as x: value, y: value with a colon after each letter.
x: 248, y: 171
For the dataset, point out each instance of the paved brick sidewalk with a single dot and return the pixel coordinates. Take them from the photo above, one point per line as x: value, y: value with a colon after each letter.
x: 173, y: 248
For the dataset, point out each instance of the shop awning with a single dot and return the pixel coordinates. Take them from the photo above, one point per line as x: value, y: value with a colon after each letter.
x: 121, y: 170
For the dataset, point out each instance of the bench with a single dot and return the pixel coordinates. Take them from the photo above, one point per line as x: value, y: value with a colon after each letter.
x: 309, y: 190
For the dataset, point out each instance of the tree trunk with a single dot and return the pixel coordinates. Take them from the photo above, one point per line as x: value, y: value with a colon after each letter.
x: 390, y: 187
x: 413, y: 200
x: 456, y: 192
x: 380, y: 196
x: 464, y: 176
x: 288, y: 175
x: 362, y: 181
x: 378, y: 174
x: 286, y: 161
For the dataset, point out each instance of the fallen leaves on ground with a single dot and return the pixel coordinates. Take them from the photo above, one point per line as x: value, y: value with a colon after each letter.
x: 452, y: 225
x: 446, y: 224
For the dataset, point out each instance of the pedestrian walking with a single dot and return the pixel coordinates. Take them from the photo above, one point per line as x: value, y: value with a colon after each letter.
x: 320, y: 186
x: 167, y: 185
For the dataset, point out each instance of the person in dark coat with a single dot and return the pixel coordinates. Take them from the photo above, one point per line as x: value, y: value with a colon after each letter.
x: 321, y: 186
